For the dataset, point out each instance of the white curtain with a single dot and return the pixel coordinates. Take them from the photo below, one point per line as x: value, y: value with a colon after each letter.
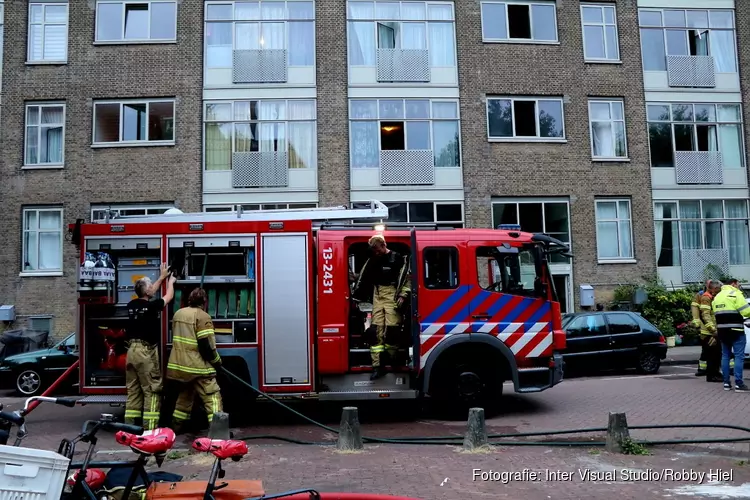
x: 414, y: 36
x: 219, y: 44
x: 272, y: 135
x: 603, y: 139
x: 667, y: 252
x: 388, y: 36
x: 441, y: 45
x: 43, y: 248
x: 607, y: 240
x: 361, y: 43
x: 301, y: 43
x: 365, y: 144
x: 691, y: 230
x: 722, y: 46
x: 301, y: 134
x: 737, y: 232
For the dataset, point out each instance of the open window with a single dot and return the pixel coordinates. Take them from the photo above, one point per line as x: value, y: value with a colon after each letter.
x: 440, y: 268
x: 511, y: 270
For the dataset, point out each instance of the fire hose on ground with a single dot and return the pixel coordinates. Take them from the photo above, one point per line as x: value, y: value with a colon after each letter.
x: 494, y: 438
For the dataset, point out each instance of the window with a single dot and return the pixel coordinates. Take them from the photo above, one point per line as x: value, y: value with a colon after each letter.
x: 701, y: 225
x: 423, y: 212
x: 600, y: 41
x: 519, y: 21
x: 411, y: 124
x: 265, y: 126
x: 671, y: 32
x: 548, y: 217
x: 99, y: 212
x: 695, y: 127
x: 42, y: 240
x: 440, y: 268
x: 45, y: 135
x: 525, y: 118
x: 586, y: 326
x: 507, y: 271
x: 48, y: 32
x: 607, y: 123
x: 141, y: 21
x: 264, y: 25
x: 401, y: 25
x: 134, y: 122
x: 614, y: 232
x: 622, y: 323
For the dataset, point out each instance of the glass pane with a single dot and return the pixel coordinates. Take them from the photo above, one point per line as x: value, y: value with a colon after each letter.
x: 55, y: 13
x: 30, y: 252
x: 391, y: 109
x: 32, y: 145
x: 219, y: 45
x: 713, y: 209
x: 31, y: 220
x: 705, y: 113
x: 623, y: 210
x: 134, y: 122
x: 418, y: 135
x: 437, y: 12
x: 593, y: 36
x: 738, y: 243
x: 246, y: 11
x: 660, y: 144
x: 421, y: 212
x: 494, y: 22
x: 653, y: 50
x: 556, y: 218
x: 721, y: 19
x: 449, y: 212
x: 109, y: 21
x: 504, y: 213
x: 301, y: 44
x: 617, y: 111
x: 218, y: 146
x: 301, y: 110
x: 49, y: 219
x: 446, y: 143
x: 301, y: 145
x: 543, y: 18
x: 364, y: 109
x: 730, y: 145
x: 136, y: 21
x: 626, y: 245
x: 361, y: 10
x: 658, y: 112
x: 682, y: 112
x: 599, y: 110
x: 606, y: 240
x: 272, y: 110
x: 613, y: 49
x: 444, y: 110
x: 55, y: 42
x: 690, y: 210
x: 273, y: 10
x: 606, y: 210
x: 364, y: 145
x: 592, y: 15
x: 32, y: 115
x: 301, y: 10
x: 531, y: 217
x: 219, y: 11
x: 649, y: 18
x: 218, y: 112
x: 161, y: 121
x: 36, y: 15
x: 673, y: 18
x: 413, y: 11
x: 499, y: 117
x: 729, y: 112
x: 620, y: 140
x: 163, y: 21
x: 684, y: 138
x: 609, y: 15
x: 244, y: 139
x: 387, y: 10
x: 677, y: 43
x: 107, y: 122
x: 697, y: 19
x: 417, y: 109
x: 50, y: 256
x: 550, y: 119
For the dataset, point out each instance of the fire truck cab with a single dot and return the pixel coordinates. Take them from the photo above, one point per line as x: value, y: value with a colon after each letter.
x: 483, y: 309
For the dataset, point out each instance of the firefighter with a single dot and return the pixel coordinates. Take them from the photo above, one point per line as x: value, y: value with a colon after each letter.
x: 143, y: 370
x: 193, y: 360
x: 709, y: 341
x: 696, y: 313
x: 387, y: 272
x: 732, y: 310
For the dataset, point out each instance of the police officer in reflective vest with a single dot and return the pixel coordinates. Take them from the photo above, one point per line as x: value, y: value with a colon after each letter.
x: 388, y: 273
x: 709, y: 342
x: 732, y: 311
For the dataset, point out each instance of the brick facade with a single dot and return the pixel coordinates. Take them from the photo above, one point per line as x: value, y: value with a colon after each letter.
x: 553, y: 170
x: 93, y: 175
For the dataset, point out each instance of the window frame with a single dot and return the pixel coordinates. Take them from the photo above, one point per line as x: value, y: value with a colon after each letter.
x: 117, y: 207
x: 126, y: 41
x: 620, y: 259
x: 603, y: 25
x: 37, y: 210
x: 611, y: 121
x: 453, y: 254
x: 514, y: 137
x: 40, y: 105
x: 292, y: 205
x: 531, y: 41
x: 435, y: 205
x: 145, y: 143
x: 43, y: 23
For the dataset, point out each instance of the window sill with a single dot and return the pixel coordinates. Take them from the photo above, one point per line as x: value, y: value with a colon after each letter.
x: 143, y: 144
x: 46, y: 63
x: 42, y: 274
x: 524, y: 42
x: 610, y: 160
x: 51, y: 166
x: 618, y: 261
x: 134, y: 42
x: 602, y: 61
x: 528, y: 139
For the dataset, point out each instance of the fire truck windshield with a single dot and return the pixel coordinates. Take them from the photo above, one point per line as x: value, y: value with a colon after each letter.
x: 511, y: 270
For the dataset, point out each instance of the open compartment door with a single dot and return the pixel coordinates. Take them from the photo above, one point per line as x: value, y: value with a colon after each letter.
x: 415, y: 324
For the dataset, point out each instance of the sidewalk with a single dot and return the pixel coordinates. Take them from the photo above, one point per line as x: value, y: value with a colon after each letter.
x: 682, y: 355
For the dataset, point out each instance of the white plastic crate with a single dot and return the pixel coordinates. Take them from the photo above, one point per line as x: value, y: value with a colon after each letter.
x: 30, y: 474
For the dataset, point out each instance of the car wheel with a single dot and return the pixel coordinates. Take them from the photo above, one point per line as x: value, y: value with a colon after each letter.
x: 28, y: 382
x: 648, y: 362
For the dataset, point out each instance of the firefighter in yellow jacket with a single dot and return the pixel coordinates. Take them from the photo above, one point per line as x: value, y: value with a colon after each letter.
x: 193, y: 360
x: 708, y: 332
x: 387, y: 272
x: 695, y: 312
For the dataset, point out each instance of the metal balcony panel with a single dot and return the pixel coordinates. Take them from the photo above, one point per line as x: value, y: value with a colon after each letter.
x: 259, y: 66
x: 691, y: 71
x: 694, y: 263
x: 260, y: 169
x: 403, y: 65
x: 698, y: 167
x: 407, y: 167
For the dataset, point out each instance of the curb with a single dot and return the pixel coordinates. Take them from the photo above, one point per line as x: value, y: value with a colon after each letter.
x: 673, y: 362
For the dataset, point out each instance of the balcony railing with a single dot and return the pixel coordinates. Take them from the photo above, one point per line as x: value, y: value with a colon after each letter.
x: 403, y: 65
x: 691, y: 71
x: 407, y: 167
x: 259, y: 66
x: 260, y: 169
x: 694, y: 263
x: 698, y: 167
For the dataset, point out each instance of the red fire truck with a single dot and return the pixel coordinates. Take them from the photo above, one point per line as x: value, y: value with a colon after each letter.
x: 484, y: 309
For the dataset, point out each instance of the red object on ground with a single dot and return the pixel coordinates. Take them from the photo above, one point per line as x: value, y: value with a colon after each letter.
x: 150, y: 442
x: 54, y: 385
x: 94, y: 478
x: 220, y: 448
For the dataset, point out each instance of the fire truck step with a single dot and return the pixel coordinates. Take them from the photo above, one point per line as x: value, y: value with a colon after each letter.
x: 112, y: 399
x: 367, y: 394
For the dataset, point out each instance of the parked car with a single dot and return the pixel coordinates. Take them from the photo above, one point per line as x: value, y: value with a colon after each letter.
x: 608, y: 339
x: 30, y: 373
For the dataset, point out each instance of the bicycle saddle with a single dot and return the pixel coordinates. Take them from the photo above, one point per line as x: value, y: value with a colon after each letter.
x: 221, y: 448
x: 150, y: 442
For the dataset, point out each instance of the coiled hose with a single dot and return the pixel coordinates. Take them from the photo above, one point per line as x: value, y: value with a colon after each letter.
x: 456, y: 440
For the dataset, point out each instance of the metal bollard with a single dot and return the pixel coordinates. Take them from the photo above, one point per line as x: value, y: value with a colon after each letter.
x: 476, y: 432
x: 350, y: 435
x: 617, y: 432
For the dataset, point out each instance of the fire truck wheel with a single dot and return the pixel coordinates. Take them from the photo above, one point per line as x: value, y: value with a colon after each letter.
x: 28, y: 382
x: 463, y: 386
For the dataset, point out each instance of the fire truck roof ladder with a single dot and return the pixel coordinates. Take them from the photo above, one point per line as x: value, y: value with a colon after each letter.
x: 377, y: 210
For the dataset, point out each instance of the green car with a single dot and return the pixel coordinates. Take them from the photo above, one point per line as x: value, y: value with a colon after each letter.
x: 30, y: 373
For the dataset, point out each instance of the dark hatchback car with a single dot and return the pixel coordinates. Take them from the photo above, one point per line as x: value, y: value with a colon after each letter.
x: 612, y: 339
x: 30, y: 373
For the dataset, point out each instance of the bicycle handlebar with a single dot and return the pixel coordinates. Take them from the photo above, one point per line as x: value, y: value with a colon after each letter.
x: 117, y: 426
x: 12, y: 417
x: 70, y: 403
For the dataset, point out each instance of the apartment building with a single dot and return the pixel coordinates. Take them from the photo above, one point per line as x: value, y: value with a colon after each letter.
x: 693, y: 90
x: 100, y: 110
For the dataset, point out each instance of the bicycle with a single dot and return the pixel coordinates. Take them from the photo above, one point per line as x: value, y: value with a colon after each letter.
x: 18, y: 418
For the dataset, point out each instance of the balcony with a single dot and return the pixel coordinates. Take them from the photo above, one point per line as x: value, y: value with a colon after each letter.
x: 259, y: 66
x: 260, y: 169
x: 694, y: 263
x: 698, y: 167
x: 691, y: 71
x: 407, y: 167
x: 403, y: 65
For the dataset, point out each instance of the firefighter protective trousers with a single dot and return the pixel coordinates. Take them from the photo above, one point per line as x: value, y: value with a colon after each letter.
x: 386, y: 318
x: 209, y: 393
x: 144, y: 383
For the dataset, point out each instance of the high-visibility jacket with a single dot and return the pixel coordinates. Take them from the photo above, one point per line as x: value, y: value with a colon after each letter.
x: 695, y: 309
x: 188, y: 360
x: 708, y: 321
x: 730, y: 309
